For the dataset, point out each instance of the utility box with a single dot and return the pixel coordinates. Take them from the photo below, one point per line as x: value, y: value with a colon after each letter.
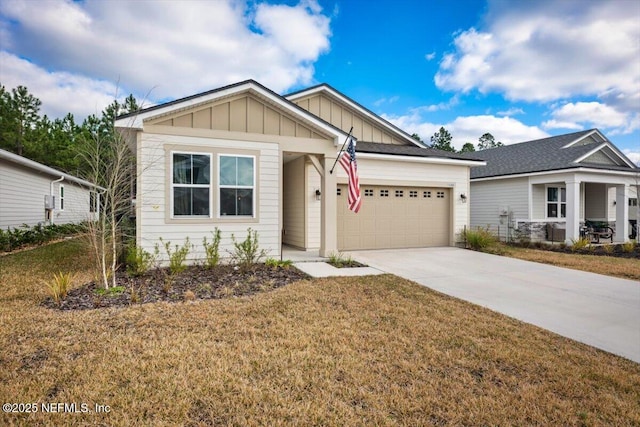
x: 503, y: 210
x: 49, y: 202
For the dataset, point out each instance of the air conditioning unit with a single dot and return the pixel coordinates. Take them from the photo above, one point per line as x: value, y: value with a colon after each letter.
x: 49, y: 202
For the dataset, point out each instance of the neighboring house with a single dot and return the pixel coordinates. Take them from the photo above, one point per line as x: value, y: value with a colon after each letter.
x: 554, y: 185
x: 32, y: 193
x: 243, y: 156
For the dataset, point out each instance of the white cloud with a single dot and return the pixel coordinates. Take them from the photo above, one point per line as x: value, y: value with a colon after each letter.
x: 579, y: 115
x: 634, y: 156
x: 469, y: 128
x: 511, y: 112
x: 547, y: 50
x: 174, y: 48
x: 430, y: 56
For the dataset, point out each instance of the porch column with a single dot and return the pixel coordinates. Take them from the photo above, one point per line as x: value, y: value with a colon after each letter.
x: 573, y: 211
x: 622, y: 214
x: 328, y: 210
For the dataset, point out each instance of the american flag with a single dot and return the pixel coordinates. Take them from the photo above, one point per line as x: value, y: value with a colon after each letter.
x: 348, y: 162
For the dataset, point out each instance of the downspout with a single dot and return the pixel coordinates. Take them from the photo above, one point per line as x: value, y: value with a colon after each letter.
x: 51, y: 195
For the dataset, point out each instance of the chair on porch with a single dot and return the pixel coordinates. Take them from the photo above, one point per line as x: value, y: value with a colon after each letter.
x: 596, y: 230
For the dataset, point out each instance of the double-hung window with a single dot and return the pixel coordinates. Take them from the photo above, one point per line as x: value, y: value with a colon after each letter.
x: 236, y: 185
x: 556, y: 202
x: 191, y: 184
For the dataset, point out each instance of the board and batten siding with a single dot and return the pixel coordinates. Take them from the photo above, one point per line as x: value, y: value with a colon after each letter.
x: 489, y: 197
x: 313, y: 183
x: 343, y: 117
x: 22, y: 193
x: 153, y: 192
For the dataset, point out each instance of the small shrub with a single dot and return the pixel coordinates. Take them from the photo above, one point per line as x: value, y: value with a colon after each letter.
x: 177, y: 255
x: 480, y: 239
x: 138, y: 260
x: 579, y: 244
x: 112, y: 291
x: 59, y: 286
x: 189, y: 295
x: 212, y: 250
x: 629, y: 246
x: 608, y: 249
x: 247, y: 253
x: 276, y: 263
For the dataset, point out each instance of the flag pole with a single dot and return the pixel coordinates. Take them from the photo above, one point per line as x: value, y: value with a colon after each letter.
x: 341, y: 150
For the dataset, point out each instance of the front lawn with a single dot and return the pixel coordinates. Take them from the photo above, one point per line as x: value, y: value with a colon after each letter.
x: 374, y: 350
x: 626, y: 268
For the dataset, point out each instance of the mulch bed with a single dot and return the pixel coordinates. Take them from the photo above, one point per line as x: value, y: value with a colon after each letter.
x: 195, y: 283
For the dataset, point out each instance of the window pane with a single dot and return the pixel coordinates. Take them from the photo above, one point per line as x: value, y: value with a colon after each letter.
x: 563, y: 210
x: 227, y: 170
x: 552, y: 194
x: 182, y: 169
x: 200, y: 201
x: 563, y: 194
x: 190, y: 201
x: 201, y: 169
x: 227, y: 201
x: 245, y: 202
x: 245, y: 171
x: 236, y: 202
x: 181, y: 201
x: 552, y: 210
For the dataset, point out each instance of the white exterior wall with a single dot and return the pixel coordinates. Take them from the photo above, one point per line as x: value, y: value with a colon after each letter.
x: 313, y: 207
x: 488, y: 197
x: 22, y: 193
x: 153, y: 192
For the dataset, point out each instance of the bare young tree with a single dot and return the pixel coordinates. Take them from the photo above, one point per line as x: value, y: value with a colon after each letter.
x: 111, y: 165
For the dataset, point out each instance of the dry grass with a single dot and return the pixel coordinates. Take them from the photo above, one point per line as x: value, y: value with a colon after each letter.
x: 350, y: 351
x: 626, y: 268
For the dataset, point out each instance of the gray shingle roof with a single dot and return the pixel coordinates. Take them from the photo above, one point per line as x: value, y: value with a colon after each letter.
x: 538, y: 155
x: 409, y: 150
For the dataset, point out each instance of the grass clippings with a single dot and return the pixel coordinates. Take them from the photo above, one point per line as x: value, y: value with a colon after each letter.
x: 373, y: 350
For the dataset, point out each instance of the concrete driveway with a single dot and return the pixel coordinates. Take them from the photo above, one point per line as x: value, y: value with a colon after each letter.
x: 597, y: 310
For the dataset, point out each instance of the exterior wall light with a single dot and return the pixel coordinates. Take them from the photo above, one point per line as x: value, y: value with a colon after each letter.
x: 463, y: 198
x: 318, y: 194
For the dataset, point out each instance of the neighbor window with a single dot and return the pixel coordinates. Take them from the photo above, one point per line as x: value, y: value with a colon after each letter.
x: 93, y: 201
x: 556, y: 202
x: 236, y: 185
x: 191, y: 184
x: 633, y: 201
x: 61, y: 193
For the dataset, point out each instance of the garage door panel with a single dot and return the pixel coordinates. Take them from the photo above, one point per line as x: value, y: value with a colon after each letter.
x: 395, y: 217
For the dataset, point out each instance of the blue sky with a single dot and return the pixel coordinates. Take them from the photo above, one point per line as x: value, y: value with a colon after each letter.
x: 520, y: 70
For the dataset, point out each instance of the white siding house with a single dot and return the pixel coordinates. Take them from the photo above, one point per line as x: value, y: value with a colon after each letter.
x: 275, y: 154
x: 553, y: 188
x: 24, y: 186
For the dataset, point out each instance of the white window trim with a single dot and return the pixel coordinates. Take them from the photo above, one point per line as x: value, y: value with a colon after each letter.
x: 209, y: 186
x: 559, y: 203
x: 252, y: 187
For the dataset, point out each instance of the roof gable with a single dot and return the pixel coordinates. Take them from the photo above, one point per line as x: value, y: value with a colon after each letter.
x: 344, y: 113
x: 243, y: 107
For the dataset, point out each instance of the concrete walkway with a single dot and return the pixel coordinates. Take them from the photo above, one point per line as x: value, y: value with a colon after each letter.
x: 594, y: 309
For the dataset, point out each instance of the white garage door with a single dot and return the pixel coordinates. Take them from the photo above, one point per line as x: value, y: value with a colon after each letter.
x: 395, y: 217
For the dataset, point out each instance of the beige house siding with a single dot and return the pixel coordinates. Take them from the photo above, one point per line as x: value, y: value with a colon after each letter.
x: 343, y: 117
x: 293, y: 188
x: 153, y: 195
x: 22, y: 193
x: 244, y: 113
x: 313, y: 183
